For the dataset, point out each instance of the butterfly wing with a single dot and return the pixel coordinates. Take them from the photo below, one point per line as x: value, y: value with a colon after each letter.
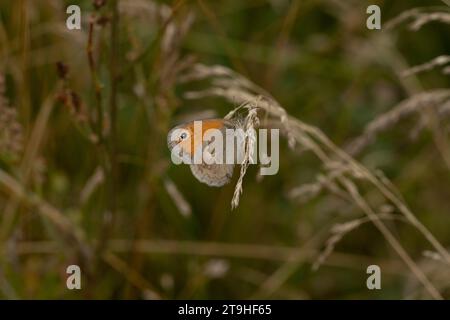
x: 214, y: 175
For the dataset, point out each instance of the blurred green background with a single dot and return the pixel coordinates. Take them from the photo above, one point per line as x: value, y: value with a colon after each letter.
x: 86, y: 176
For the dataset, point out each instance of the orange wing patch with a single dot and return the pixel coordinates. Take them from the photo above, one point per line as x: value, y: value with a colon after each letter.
x: 196, y: 140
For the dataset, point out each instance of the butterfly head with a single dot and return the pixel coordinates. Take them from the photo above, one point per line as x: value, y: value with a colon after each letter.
x: 188, y: 139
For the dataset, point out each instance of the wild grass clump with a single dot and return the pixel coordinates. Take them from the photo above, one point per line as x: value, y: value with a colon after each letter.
x: 227, y: 84
x: 86, y: 177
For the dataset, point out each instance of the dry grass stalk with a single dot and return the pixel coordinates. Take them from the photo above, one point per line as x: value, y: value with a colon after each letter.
x: 340, y: 230
x: 96, y: 179
x: 436, y: 269
x: 414, y: 104
x: 443, y: 111
x: 412, y: 85
x: 210, y: 249
x: 308, y: 191
x: 173, y: 27
x: 250, y: 122
x: 422, y: 19
x: 70, y: 231
x: 131, y: 275
x: 419, y: 18
x: 436, y: 62
x: 28, y: 161
x: 432, y: 255
x: 225, y: 84
x: 177, y: 197
x: 11, y: 132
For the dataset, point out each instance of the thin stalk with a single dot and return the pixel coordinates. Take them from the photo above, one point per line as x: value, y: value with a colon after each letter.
x: 112, y: 139
x: 96, y: 81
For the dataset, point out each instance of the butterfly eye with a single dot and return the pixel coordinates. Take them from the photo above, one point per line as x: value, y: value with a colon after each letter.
x: 183, y: 136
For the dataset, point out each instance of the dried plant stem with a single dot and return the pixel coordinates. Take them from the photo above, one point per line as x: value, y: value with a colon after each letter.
x: 422, y: 102
x: 132, y: 276
x: 177, y: 197
x: 151, y: 47
x: 251, y: 121
x: 30, y: 154
x: 307, y: 140
x: 416, y: 104
x: 99, y: 126
x: 383, y: 188
x: 277, y: 278
x: 364, y: 206
x: 25, y: 103
x: 113, y: 107
x: 68, y: 229
x: 419, y: 18
x: 218, y: 249
x: 413, y: 86
x: 232, y: 87
x: 342, y: 229
x: 99, y: 123
x: 436, y: 62
x: 110, y: 163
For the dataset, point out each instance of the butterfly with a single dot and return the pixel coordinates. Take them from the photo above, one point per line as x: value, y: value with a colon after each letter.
x: 189, y: 140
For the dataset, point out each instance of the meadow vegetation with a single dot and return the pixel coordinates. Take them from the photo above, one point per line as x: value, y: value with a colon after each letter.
x: 86, y: 176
